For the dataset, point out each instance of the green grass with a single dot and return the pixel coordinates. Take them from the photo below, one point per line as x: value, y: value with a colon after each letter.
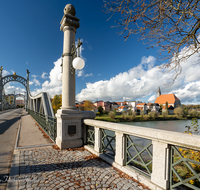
x: 119, y: 118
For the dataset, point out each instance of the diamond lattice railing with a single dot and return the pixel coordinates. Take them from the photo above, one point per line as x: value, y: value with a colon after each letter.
x: 139, y: 154
x: 108, y: 142
x: 90, y: 135
x: 184, y: 168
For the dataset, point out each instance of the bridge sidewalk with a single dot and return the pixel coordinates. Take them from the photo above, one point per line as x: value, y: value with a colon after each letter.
x: 30, y: 134
x: 46, y: 167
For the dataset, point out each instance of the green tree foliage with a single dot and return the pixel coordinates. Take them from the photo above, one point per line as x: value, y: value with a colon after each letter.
x: 166, y: 107
x: 100, y: 109
x: 193, y: 113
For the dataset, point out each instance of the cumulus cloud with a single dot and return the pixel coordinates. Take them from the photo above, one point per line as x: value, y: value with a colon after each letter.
x: 53, y: 85
x: 35, y: 81
x: 142, y: 82
x: 132, y: 84
x: 10, y: 89
x: 80, y: 73
x: 4, y: 73
x: 43, y: 76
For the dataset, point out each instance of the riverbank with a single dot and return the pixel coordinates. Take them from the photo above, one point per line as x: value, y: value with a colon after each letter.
x: 139, y: 118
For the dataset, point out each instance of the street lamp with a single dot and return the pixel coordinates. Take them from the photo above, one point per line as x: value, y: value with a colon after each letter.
x: 77, y: 62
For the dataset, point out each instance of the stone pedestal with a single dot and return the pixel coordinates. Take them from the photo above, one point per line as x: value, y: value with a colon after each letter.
x: 69, y: 128
x: 69, y: 133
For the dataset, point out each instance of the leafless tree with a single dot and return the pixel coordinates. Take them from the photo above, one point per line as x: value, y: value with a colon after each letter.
x: 171, y: 25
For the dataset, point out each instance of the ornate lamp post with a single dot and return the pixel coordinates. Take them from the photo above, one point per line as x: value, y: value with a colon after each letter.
x: 69, y: 131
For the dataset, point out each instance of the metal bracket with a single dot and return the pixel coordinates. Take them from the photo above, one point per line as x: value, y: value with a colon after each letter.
x: 73, y: 54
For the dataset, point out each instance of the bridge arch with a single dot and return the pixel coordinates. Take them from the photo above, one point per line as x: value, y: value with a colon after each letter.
x: 40, y: 103
x: 14, y: 77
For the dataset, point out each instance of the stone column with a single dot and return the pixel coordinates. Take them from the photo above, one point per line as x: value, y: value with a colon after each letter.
x: 69, y: 130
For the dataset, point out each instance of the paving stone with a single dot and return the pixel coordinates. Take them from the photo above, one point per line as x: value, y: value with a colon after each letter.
x: 47, y: 168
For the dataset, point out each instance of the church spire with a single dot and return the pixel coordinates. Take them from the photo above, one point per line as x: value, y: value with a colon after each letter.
x: 159, y: 92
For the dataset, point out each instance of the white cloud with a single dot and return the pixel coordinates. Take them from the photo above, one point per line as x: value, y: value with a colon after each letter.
x: 10, y: 89
x: 52, y: 86
x: 4, y: 73
x: 30, y: 82
x: 89, y: 75
x: 152, y: 98
x: 34, y: 76
x: 142, y: 82
x: 132, y: 84
x: 35, y: 81
x: 80, y: 73
x: 12, y: 71
x: 44, y: 75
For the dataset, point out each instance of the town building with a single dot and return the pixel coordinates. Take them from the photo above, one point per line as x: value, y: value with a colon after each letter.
x: 153, y: 107
x: 19, y: 102
x: 171, y: 99
x: 142, y: 106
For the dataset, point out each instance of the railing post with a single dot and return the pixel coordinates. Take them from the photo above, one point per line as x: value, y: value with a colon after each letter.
x: 160, y: 170
x: 120, y: 148
x: 97, y: 145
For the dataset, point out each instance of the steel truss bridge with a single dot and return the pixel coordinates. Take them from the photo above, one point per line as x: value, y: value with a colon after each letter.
x: 40, y: 103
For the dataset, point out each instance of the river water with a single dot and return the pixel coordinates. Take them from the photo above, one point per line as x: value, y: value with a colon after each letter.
x: 170, y: 125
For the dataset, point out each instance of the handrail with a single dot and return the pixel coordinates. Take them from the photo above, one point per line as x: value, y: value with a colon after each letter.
x: 169, y: 137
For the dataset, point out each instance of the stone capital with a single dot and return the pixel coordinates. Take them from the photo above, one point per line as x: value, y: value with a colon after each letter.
x: 69, y: 20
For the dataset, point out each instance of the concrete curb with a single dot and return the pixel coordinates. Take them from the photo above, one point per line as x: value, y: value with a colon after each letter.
x: 35, y: 146
x: 14, y: 172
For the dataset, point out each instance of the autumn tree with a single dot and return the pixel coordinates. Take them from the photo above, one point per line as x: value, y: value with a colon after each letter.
x: 56, y: 102
x: 172, y: 26
x: 178, y: 111
x: 88, y: 105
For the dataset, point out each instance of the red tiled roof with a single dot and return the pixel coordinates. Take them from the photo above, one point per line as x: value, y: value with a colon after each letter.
x: 139, y: 108
x: 119, y: 103
x: 169, y: 107
x: 121, y: 107
x: 79, y: 105
x: 162, y: 99
x: 140, y: 104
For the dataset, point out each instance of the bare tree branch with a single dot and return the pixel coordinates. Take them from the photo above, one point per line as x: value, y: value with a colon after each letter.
x: 170, y: 25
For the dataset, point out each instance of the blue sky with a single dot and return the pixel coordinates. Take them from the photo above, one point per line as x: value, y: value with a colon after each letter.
x: 115, y: 70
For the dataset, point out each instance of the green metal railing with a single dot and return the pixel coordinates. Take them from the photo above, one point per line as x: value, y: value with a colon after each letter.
x: 49, y: 124
x: 108, y: 142
x: 90, y: 135
x: 184, y: 168
x: 139, y: 154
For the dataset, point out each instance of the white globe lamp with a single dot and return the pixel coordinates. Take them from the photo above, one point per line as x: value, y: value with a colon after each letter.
x: 60, y: 77
x: 78, y: 63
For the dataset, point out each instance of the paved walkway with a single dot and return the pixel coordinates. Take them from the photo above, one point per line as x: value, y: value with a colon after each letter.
x: 50, y: 168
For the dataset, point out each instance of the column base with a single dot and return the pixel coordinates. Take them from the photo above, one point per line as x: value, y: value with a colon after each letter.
x: 64, y: 144
x: 70, y: 133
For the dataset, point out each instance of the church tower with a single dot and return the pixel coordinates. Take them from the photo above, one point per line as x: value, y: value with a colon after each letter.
x: 159, y: 92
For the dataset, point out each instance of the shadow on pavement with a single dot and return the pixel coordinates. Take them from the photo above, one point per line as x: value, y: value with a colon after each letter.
x: 7, y: 124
